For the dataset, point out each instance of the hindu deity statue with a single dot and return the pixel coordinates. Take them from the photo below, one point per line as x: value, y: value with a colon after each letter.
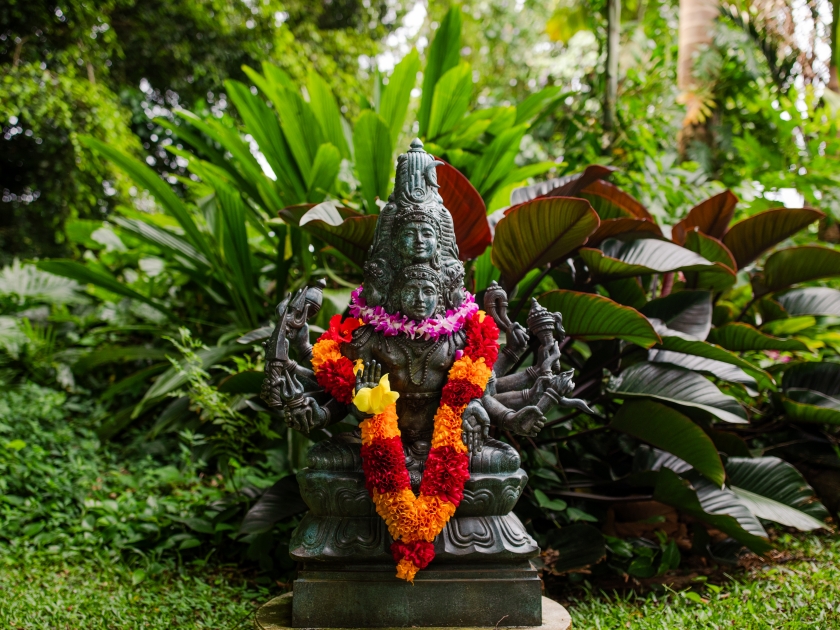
x: 420, y: 483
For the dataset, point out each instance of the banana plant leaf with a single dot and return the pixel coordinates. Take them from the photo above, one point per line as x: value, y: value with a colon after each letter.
x: 800, y: 264
x: 678, y: 386
x: 616, y: 259
x: 710, y: 217
x: 811, y: 301
x: 539, y: 232
x: 723, y: 511
x: 776, y: 492
x: 750, y: 238
x: 740, y: 337
x: 590, y: 317
x: 469, y: 214
x: 667, y: 429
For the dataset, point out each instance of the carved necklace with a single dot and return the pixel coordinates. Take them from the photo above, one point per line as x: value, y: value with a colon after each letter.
x: 425, y: 358
x: 413, y: 521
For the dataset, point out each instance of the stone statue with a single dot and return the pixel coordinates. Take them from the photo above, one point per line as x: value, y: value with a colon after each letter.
x: 412, y: 306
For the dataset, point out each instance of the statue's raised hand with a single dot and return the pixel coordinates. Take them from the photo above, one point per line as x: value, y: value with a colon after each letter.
x: 368, y: 376
x: 527, y: 421
x: 475, y: 427
x: 516, y: 338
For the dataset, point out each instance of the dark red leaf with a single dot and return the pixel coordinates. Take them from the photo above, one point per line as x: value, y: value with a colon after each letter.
x: 621, y: 227
x: 711, y: 217
x: 469, y: 214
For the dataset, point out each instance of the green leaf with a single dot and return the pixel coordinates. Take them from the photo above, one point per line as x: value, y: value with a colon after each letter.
x: 300, y: 126
x: 280, y: 501
x: 84, y: 274
x: 748, y: 239
x: 720, y: 509
x: 610, y: 202
x: 264, y: 126
x: 775, y: 491
x: 539, y: 232
x: 374, y: 164
x: 679, y: 386
x: 106, y: 354
x: 397, y: 94
x: 821, y: 376
x: 444, y: 54
x: 326, y: 111
x: 806, y: 405
x: 237, y: 253
x: 249, y: 382
x: 578, y: 546
x: 800, y: 264
x: 149, y: 180
x: 641, y: 567
x: 164, y: 240
x: 617, y: 259
x: 709, y: 218
x: 497, y: 160
x: 718, y: 369
x: 534, y: 104
x: 740, y: 337
x: 688, y: 312
x: 451, y: 100
x: 555, y: 505
x: 715, y: 251
x: 351, y: 236
x: 669, y: 430
x: 590, y: 317
x: 324, y: 172
x: 811, y: 301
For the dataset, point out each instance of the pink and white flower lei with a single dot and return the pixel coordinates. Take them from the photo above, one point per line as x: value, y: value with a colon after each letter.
x: 395, y: 324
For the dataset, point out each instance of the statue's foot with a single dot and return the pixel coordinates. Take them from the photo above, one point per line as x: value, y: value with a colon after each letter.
x: 340, y: 453
x: 495, y: 458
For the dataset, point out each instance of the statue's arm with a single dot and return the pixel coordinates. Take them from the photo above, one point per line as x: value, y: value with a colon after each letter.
x: 512, y: 351
x: 517, y: 380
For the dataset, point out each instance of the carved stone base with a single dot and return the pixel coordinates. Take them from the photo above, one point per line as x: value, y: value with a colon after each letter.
x: 277, y: 615
x: 454, y: 595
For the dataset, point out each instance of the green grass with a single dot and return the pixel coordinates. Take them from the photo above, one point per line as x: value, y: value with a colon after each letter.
x: 43, y: 593
x: 803, y: 592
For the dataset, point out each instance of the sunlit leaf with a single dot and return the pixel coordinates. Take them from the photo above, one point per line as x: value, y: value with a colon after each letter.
x: 374, y: 164
x: 800, y: 264
x: 750, y: 238
x: 740, y: 337
x: 710, y: 217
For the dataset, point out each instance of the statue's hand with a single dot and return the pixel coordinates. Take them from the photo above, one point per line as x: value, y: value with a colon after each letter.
x: 540, y: 385
x: 306, y: 417
x: 475, y: 426
x: 548, y: 356
x: 517, y: 338
x: 298, y: 337
x: 527, y: 421
x: 368, y: 377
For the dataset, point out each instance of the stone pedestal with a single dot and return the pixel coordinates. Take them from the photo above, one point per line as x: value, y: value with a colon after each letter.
x: 277, y: 615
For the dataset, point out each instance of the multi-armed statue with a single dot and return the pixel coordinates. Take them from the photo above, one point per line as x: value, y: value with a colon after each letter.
x: 419, y: 365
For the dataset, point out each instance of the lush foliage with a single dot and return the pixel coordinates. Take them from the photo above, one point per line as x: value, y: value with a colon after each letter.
x: 706, y: 343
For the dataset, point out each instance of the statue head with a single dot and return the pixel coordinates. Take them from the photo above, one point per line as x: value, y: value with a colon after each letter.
x: 414, y: 229
x: 419, y: 292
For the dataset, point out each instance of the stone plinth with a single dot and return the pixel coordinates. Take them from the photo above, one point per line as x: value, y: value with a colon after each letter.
x: 277, y: 615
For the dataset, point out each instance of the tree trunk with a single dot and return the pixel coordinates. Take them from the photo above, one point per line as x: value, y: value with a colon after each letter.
x: 697, y: 18
x: 834, y: 62
x: 613, y: 42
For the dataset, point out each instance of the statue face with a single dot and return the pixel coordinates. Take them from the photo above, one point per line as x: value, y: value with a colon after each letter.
x: 418, y: 299
x: 417, y: 241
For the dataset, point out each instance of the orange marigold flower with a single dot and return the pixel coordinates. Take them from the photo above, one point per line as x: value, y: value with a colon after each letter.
x: 323, y: 351
x: 447, y: 430
x: 406, y: 570
x: 381, y: 426
x: 475, y: 372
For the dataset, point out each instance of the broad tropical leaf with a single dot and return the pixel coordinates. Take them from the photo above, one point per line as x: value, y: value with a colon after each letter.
x: 326, y: 111
x: 750, y: 238
x: 352, y: 236
x: 719, y: 369
x: 540, y: 232
x: 497, y: 160
x: 617, y: 259
x: 807, y: 405
x: 374, y: 163
x: 534, y: 104
x: 579, y: 545
x: 623, y: 227
x: 800, y: 264
x: 610, y: 202
x: 397, y: 94
x: 821, y: 376
x: 444, y: 54
x: 709, y: 248
x: 739, y: 337
x: 164, y: 240
x: 710, y: 217
x: 85, y: 275
x: 687, y: 312
x: 669, y: 430
x: 776, y: 491
x: 280, y: 501
x: 237, y: 253
x: 589, y: 317
x: 249, y: 382
x: 570, y: 184
x: 469, y: 214
x: 324, y: 172
x: 729, y: 515
x: 451, y: 100
x: 676, y: 385
x: 811, y: 301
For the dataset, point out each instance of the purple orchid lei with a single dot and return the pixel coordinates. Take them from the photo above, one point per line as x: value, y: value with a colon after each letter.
x: 395, y: 324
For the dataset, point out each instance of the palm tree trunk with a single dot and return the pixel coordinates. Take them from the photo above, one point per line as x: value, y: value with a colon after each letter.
x: 834, y: 80
x: 697, y: 18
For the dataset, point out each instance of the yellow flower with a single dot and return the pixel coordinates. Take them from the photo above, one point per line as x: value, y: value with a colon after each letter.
x: 481, y: 316
x: 358, y: 366
x: 406, y: 570
x: 377, y: 399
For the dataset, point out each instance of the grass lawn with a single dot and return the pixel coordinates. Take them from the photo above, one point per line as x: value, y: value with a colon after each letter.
x: 802, y: 590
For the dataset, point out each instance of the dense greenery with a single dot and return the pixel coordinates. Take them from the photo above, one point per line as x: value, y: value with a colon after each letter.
x: 702, y: 318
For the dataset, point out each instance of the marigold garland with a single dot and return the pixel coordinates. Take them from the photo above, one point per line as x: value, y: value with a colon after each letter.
x: 413, y: 521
